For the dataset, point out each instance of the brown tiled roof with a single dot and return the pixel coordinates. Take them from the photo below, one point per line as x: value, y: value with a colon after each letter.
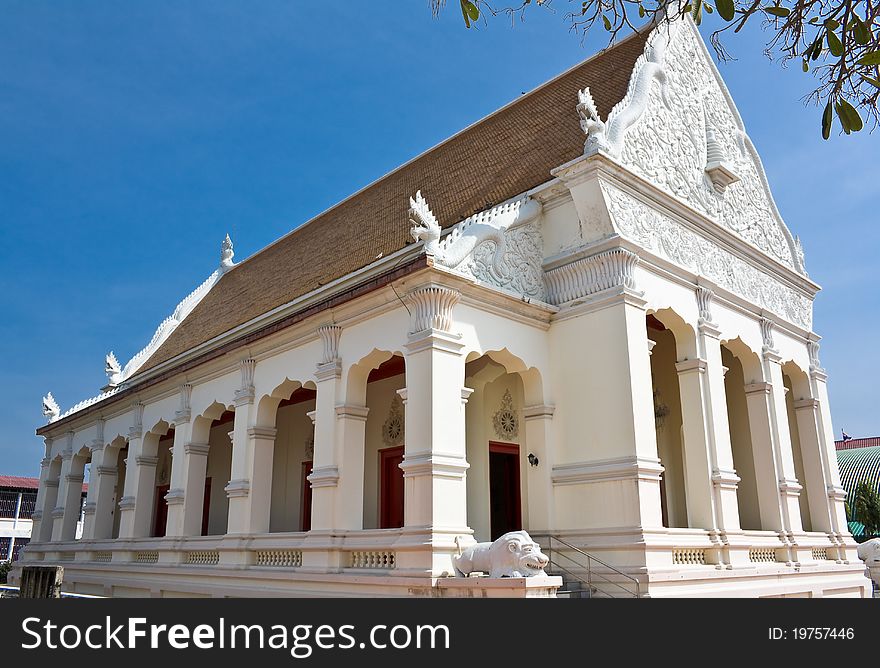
x: 499, y: 157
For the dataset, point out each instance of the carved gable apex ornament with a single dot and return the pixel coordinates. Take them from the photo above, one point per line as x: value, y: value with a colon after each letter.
x: 678, y: 128
x: 227, y: 252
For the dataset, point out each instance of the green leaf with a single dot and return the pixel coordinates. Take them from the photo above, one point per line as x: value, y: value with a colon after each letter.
x: 464, y: 13
x: 834, y: 44
x: 872, y: 58
x: 708, y: 7
x: 831, y: 24
x: 641, y: 12
x: 697, y: 12
x: 860, y: 32
x: 781, y: 12
x: 606, y: 22
x: 806, y: 66
x: 472, y: 10
x: 816, y: 48
x: 827, y: 118
x: 725, y: 9
x: 871, y: 80
x: 849, y: 112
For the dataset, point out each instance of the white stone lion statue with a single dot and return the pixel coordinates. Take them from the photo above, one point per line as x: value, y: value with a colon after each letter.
x: 513, y: 555
x: 869, y: 552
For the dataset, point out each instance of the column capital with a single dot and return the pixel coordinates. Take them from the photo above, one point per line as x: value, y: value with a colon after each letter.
x: 175, y: 497
x: 538, y: 412
x: 71, y: 478
x: 577, y: 277
x: 324, y: 476
x: 96, y: 445
x: 90, y: 508
x: 725, y: 478
x: 431, y: 308
x: 688, y: 366
x: 66, y: 455
x: 759, y: 388
x: 143, y: 460
x: 352, y: 412
x: 434, y: 339
x: 436, y: 465
x: 51, y: 483
x: 237, y: 488
x: 126, y: 503
x: 44, y: 462
x: 182, y: 416
x: 330, y: 335
x: 328, y: 370
x: 268, y: 433
x: 836, y: 493
x: 246, y: 393
x: 790, y: 487
x: 196, y: 449
x: 819, y: 374
x: 106, y: 470
x: 806, y: 404
x: 57, y: 512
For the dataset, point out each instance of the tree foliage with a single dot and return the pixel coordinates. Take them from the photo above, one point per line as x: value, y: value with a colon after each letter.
x: 864, y: 507
x: 837, y: 41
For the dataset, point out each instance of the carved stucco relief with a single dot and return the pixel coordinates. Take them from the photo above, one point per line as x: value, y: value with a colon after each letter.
x: 669, y: 239
x: 668, y: 147
x: 518, y: 269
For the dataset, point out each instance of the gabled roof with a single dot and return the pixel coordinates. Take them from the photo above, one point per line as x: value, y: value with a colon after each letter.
x: 501, y: 156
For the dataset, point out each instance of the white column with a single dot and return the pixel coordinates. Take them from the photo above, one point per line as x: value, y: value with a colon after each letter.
x: 66, y: 512
x: 834, y: 492
x: 140, y: 480
x: 99, y: 524
x: 538, y: 421
x: 710, y: 477
x: 38, y: 525
x: 435, y: 464
x: 176, y: 494
x: 250, y: 485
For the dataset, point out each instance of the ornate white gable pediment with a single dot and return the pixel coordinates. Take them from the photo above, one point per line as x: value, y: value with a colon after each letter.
x: 679, y: 129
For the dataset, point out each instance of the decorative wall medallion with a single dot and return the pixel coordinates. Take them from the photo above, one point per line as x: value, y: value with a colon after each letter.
x: 505, y: 420
x: 392, y: 430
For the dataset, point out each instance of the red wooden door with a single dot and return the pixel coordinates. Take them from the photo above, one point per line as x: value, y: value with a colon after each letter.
x: 505, y: 504
x: 391, y: 488
x: 306, y: 505
x: 161, y: 515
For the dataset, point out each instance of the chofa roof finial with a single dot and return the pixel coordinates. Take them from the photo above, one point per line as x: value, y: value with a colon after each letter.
x: 113, y: 369
x: 226, y: 254
x: 51, y: 409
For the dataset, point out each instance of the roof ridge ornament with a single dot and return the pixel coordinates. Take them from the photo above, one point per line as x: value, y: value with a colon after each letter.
x: 425, y: 226
x: 50, y: 408
x: 227, y: 252
x: 113, y: 370
x: 607, y: 136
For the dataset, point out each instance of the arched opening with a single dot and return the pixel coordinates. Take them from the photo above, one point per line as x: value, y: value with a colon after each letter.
x: 288, y: 410
x: 375, y: 384
x: 497, y: 446
x: 218, y: 471
x: 744, y: 460
x: 81, y: 468
x: 668, y: 421
x: 159, y: 514
x: 121, y: 472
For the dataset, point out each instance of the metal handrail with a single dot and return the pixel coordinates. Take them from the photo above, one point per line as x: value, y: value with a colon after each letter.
x: 589, y: 568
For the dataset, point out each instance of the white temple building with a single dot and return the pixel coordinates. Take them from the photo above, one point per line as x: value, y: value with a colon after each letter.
x: 582, y: 316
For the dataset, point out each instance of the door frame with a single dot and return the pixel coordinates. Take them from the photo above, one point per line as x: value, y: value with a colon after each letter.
x: 501, y: 448
x: 384, y: 501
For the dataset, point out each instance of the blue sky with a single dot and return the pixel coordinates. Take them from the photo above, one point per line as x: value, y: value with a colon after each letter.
x: 134, y: 135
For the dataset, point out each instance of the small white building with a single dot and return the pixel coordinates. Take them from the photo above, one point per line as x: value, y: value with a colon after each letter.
x: 18, y: 498
x: 582, y: 316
